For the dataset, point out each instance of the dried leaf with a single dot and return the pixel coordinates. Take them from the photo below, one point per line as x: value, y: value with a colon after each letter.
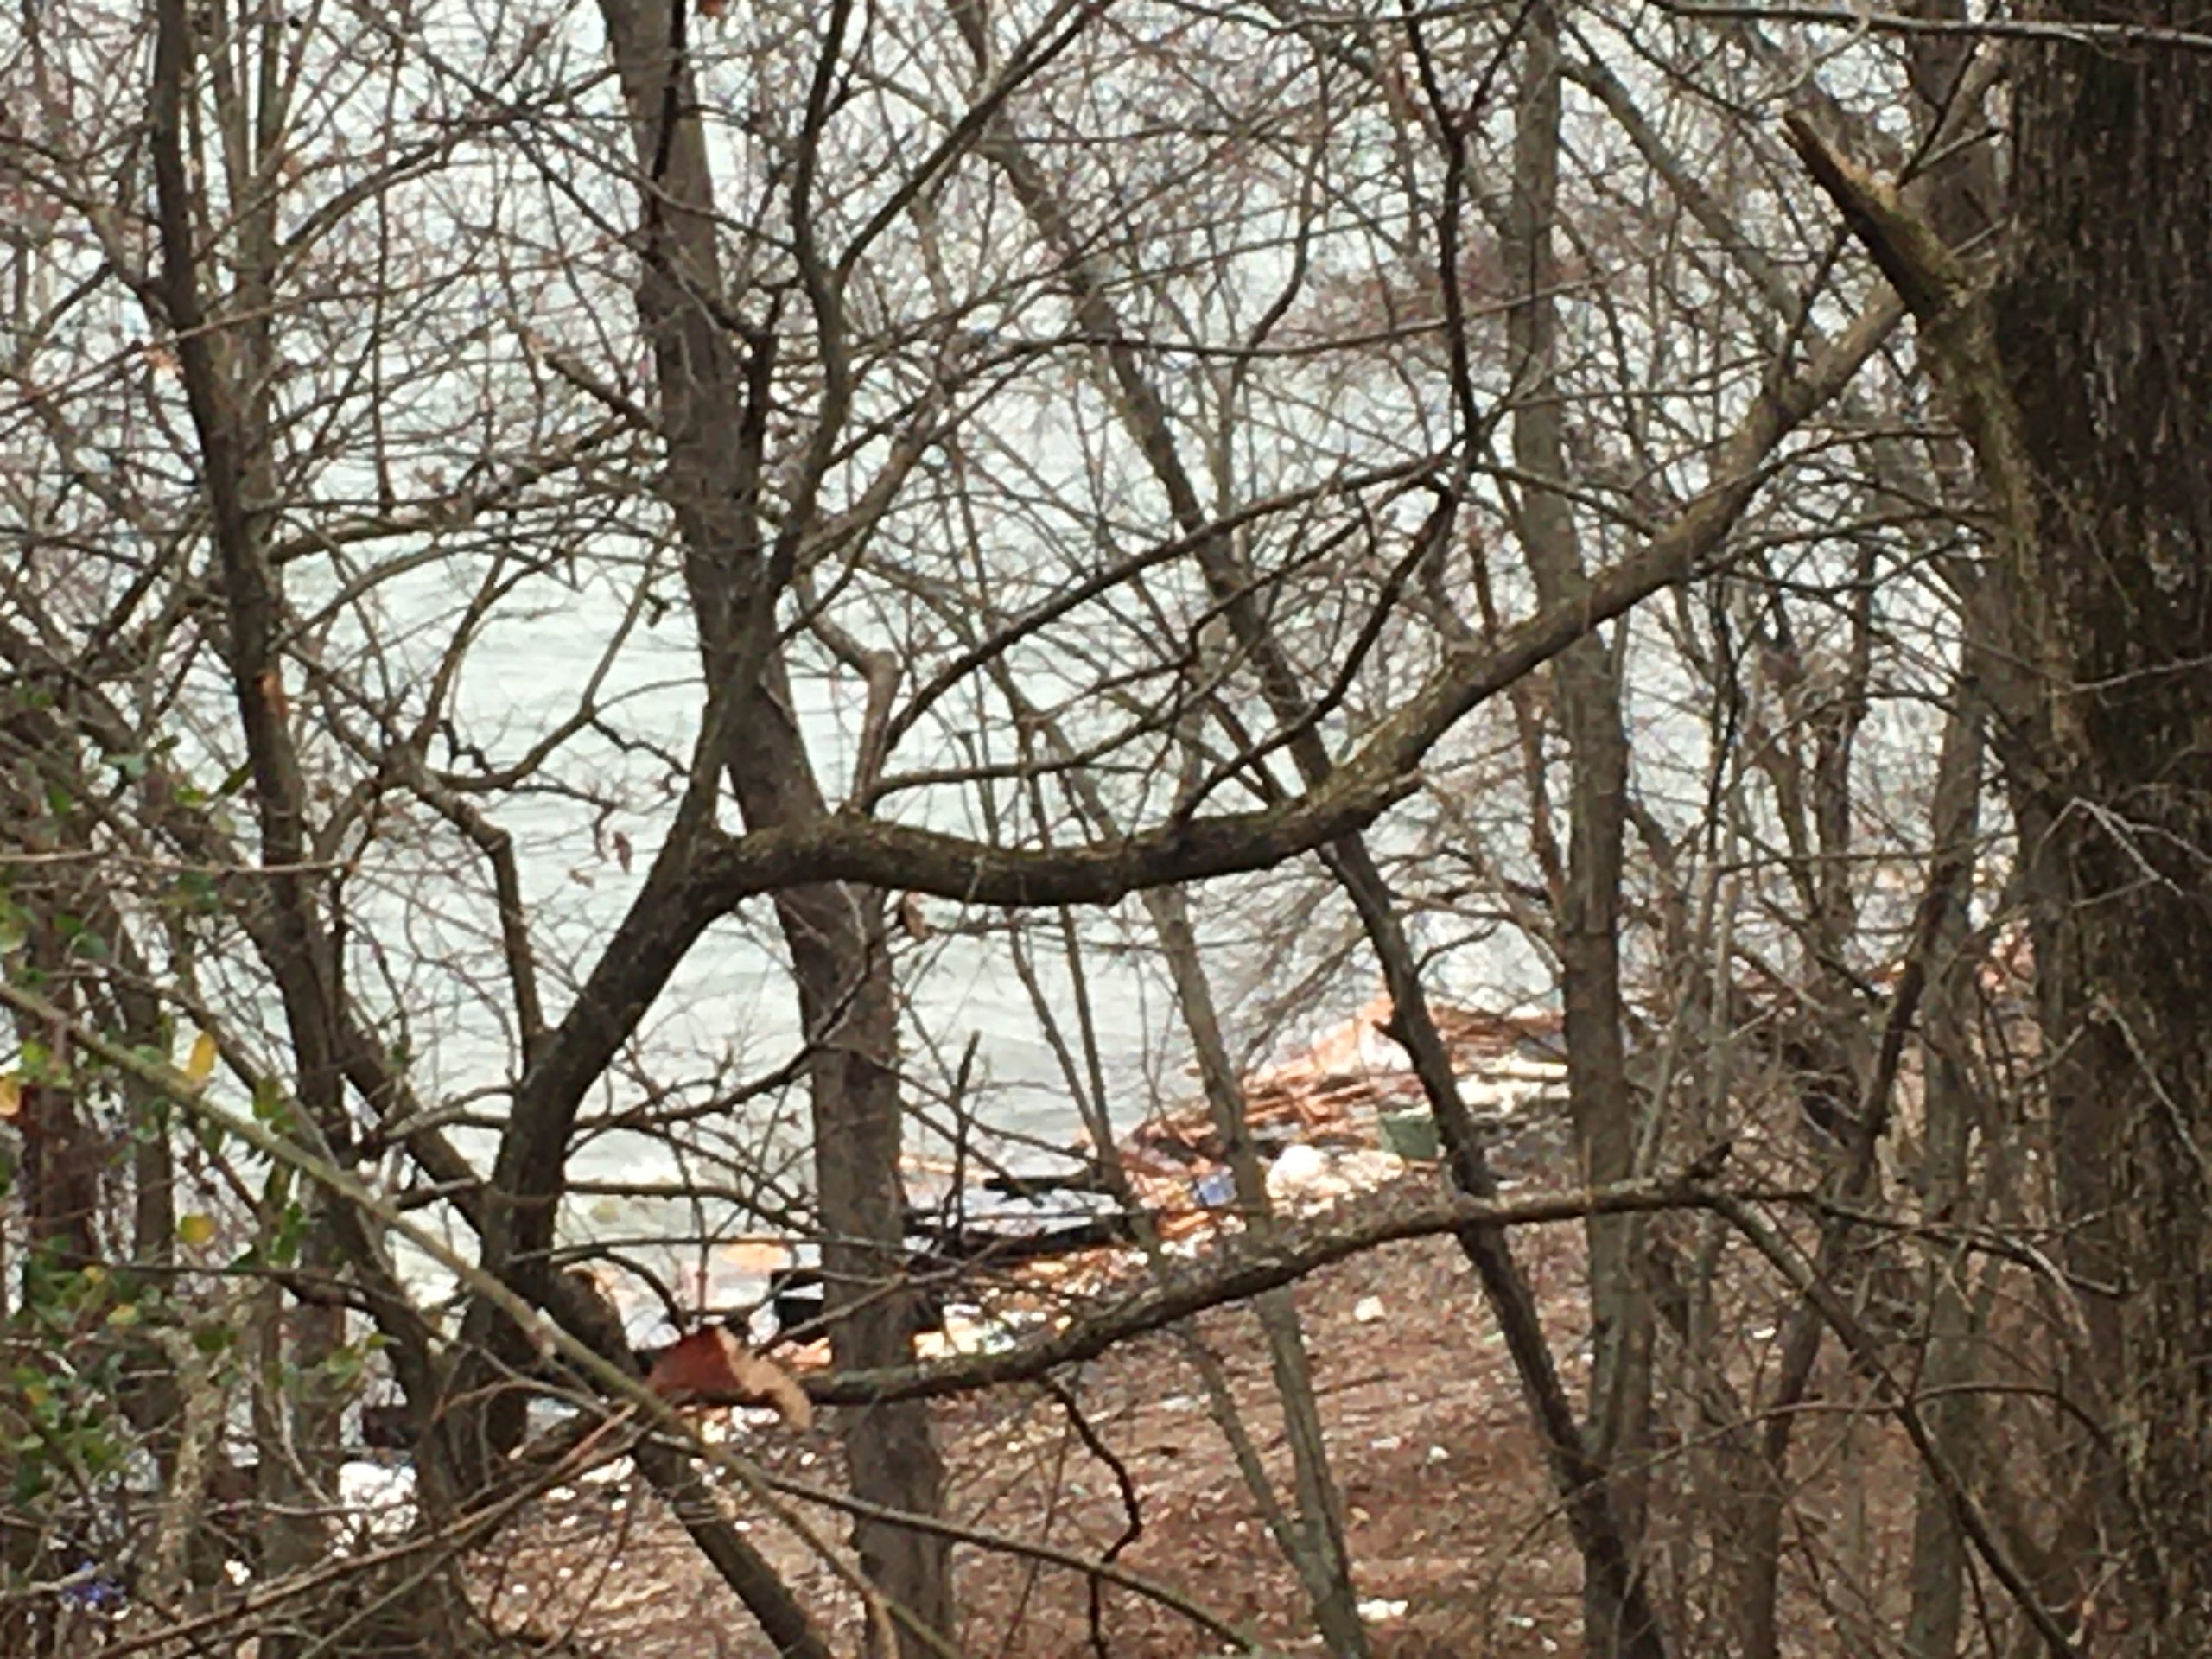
x: 710, y: 1367
x: 11, y: 1095
x: 199, y: 1065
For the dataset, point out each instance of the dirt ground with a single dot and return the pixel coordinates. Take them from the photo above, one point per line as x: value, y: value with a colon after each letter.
x: 1458, y: 1550
x: 1459, y: 1547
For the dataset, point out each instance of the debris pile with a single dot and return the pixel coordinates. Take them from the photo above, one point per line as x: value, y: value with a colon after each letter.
x: 1336, y: 1091
x: 1005, y: 1254
x: 1344, y: 1115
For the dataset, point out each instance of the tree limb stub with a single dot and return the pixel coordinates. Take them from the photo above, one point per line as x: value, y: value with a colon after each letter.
x: 1951, y: 302
x: 1927, y: 275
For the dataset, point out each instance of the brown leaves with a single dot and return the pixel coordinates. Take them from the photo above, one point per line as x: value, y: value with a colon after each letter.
x: 711, y: 1367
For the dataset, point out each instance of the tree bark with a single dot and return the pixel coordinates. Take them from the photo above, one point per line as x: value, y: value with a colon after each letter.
x: 2105, y: 327
x: 1939, y: 1545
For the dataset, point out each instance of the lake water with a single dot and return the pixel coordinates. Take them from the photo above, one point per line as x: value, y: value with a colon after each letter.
x: 729, y: 1016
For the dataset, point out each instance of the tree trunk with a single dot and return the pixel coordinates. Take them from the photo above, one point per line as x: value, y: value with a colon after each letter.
x: 713, y: 389
x: 2106, y: 331
x: 1939, y: 1545
x: 1963, y: 200
x: 1589, y: 902
x: 1313, y: 1534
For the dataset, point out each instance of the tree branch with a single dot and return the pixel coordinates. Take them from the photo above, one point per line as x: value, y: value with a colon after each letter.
x: 1243, y: 1272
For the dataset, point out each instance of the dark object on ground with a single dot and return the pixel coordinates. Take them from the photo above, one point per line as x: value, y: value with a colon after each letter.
x: 1087, y: 1179
x: 797, y: 1296
x: 1000, y: 1241
x: 1011, y: 1219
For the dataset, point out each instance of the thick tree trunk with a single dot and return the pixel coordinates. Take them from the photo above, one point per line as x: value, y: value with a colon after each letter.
x: 2106, y: 331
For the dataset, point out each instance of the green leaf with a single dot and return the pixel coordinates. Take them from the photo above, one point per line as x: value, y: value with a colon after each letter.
x: 269, y: 1105
x: 291, y: 1234
x: 196, y: 892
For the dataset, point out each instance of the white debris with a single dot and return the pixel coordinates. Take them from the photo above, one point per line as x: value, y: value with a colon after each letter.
x: 1504, y: 1093
x: 1374, y: 1610
x: 379, y: 1499
x: 1298, y: 1167
x: 1368, y: 1309
x: 1303, y: 1176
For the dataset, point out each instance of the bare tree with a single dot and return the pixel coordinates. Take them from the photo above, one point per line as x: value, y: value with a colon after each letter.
x: 639, y: 636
